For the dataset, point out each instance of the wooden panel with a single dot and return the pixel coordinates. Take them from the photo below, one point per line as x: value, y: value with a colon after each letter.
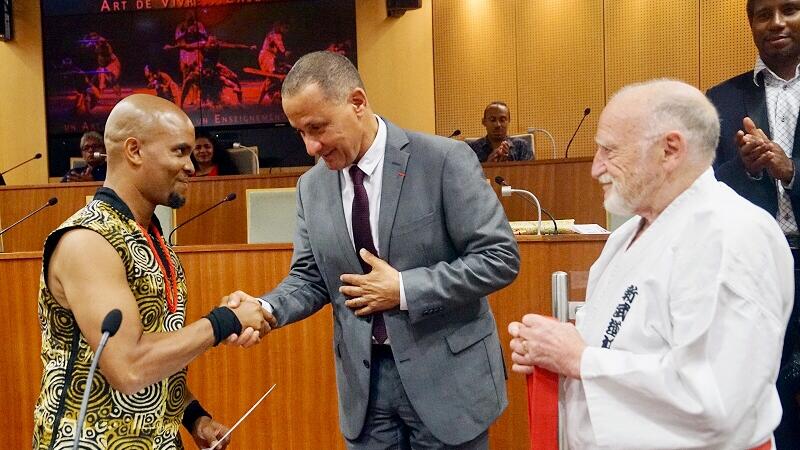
x: 302, y: 412
x: 226, y: 224
x: 474, y: 63
x: 17, y: 201
x: 726, y: 44
x: 639, y: 46
x: 561, y: 73
x: 563, y: 187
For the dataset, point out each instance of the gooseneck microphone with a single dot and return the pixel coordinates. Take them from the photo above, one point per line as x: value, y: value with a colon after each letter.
x: 585, y: 113
x: 3, y: 181
x: 455, y: 133
x: 228, y: 198
x: 49, y: 203
x: 109, y: 328
x: 506, y: 190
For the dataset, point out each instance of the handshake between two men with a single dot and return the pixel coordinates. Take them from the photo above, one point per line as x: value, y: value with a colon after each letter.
x: 376, y: 291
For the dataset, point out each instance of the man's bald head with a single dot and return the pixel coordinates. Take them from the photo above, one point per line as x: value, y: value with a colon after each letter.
x: 659, y: 106
x: 149, y: 142
x: 140, y: 116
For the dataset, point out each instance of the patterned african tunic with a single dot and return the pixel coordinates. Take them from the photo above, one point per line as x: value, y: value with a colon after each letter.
x: 148, y: 419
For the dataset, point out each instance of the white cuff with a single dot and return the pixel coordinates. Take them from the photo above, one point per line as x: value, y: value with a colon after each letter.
x: 403, y: 304
x: 265, y: 304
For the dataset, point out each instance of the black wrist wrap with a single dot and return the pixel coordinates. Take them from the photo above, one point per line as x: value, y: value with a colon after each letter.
x: 224, y: 322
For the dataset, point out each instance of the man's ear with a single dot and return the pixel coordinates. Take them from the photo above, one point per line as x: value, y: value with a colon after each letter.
x: 358, y: 99
x: 675, y: 149
x: 132, y: 151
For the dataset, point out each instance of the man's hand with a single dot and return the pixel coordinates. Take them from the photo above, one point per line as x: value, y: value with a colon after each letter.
x: 543, y: 342
x: 376, y: 291
x: 80, y: 176
x: 758, y: 153
x: 251, y: 309
x: 207, y: 432
x: 500, y: 153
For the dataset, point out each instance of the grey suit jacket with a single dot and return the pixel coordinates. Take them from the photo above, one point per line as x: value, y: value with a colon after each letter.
x: 442, y: 226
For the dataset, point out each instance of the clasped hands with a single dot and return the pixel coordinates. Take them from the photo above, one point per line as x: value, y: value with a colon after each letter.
x: 759, y: 153
x: 500, y: 153
x: 256, y: 321
x: 543, y: 342
x: 379, y: 290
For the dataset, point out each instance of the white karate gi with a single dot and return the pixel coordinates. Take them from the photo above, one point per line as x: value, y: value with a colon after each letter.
x: 694, y: 362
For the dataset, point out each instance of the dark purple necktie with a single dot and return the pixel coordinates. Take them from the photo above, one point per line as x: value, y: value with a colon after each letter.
x: 362, y: 238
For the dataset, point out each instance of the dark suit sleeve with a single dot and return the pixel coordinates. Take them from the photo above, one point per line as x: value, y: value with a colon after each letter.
x: 302, y: 292
x: 488, y: 256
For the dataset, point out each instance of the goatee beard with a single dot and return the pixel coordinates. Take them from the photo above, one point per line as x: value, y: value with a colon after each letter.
x: 175, y: 200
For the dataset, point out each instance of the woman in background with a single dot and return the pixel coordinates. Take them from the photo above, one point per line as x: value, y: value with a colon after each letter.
x: 209, y: 159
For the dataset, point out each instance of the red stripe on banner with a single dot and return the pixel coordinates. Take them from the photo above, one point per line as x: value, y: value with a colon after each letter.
x: 543, y: 409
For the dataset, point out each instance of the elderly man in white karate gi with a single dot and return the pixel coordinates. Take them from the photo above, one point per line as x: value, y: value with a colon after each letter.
x: 679, y: 342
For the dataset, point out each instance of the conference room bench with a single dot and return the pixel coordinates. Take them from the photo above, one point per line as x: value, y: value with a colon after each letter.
x: 564, y: 187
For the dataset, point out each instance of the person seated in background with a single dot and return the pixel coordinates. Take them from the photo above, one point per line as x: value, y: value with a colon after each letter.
x: 93, y: 151
x: 497, y: 146
x: 209, y: 159
x: 679, y: 343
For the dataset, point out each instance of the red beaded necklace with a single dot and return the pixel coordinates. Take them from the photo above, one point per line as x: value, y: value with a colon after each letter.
x: 171, y: 277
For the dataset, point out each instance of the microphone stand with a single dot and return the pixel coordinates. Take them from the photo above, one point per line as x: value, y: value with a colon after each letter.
x: 26, y: 216
x: 533, y: 130
x: 506, y: 191
x: 110, y: 326
x: 228, y: 198
x: 37, y: 156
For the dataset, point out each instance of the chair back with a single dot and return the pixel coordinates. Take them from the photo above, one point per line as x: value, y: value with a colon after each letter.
x: 271, y: 215
x: 529, y: 139
x: 75, y: 162
x: 246, y: 159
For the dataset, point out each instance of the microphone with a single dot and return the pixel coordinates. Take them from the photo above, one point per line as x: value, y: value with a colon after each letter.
x: 109, y: 328
x: 49, y: 203
x: 100, y: 155
x: 455, y: 133
x: 506, y: 190
x: 3, y: 181
x: 585, y: 113
x: 228, y: 198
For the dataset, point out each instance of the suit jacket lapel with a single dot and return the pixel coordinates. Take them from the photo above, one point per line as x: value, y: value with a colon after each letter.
x: 332, y: 193
x: 755, y: 103
x: 395, y: 161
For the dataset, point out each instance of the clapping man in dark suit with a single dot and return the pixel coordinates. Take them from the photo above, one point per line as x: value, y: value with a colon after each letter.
x: 758, y: 154
x: 400, y: 232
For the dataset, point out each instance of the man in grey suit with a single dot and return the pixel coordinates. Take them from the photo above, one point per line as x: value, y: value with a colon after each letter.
x: 417, y: 355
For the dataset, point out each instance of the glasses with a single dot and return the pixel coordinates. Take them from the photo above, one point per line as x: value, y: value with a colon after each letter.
x: 92, y: 147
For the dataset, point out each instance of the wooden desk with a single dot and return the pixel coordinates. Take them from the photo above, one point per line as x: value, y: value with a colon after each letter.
x: 302, y: 411
x: 564, y: 187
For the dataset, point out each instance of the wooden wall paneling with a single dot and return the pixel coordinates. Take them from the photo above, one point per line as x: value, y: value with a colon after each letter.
x: 531, y: 293
x: 302, y: 411
x: 726, y: 43
x: 560, y: 71
x: 474, y: 63
x: 646, y: 40
x: 20, y: 365
x: 226, y: 224
x: 565, y: 188
x: 17, y: 201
